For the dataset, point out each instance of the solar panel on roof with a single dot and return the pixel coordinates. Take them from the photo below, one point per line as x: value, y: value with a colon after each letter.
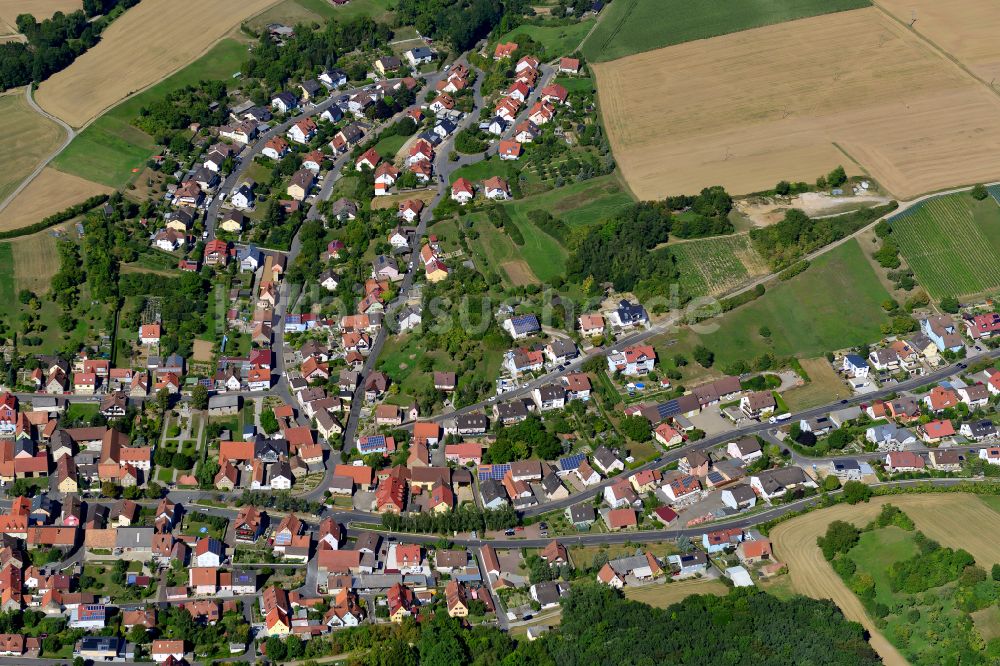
x: 715, y: 477
x: 667, y: 409
x: 495, y: 472
x: 571, y: 462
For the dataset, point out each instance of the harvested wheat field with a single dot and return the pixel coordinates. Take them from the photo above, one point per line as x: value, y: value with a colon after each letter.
x: 28, y: 138
x: 788, y: 101
x: 966, y: 29
x: 956, y: 520
x: 36, y: 258
x: 150, y: 41
x: 40, y: 9
x: 51, y: 192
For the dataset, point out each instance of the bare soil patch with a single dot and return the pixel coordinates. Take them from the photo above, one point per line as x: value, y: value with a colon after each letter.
x: 519, y: 272
x: 202, y: 351
x: 151, y: 40
x: 791, y: 101
x: 51, y: 192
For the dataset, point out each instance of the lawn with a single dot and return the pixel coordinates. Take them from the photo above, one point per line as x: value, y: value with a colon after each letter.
x: 835, y: 304
x: 545, y: 256
x: 714, y: 266
x: 7, y: 274
x: 110, y: 148
x: 574, y: 84
x: 81, y: 411
x: 557, y: 41
x: 661, y: 596
x: 377, y: 9
x: 390, y: 145
x: 634, y: 26
x: 480, y: 171
x: 580, y: 204
x: 952, y: 243
x: 878, y: 549
x: 293, y: 12
x: 497, y: 251
x: 402, y: 355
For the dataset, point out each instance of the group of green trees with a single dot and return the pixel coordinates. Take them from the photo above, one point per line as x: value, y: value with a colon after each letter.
x: 619, y: 250
x: 184, y: 302
x: 784, y: 243
x: 204, y: 103
x: 522, y: 440
x: 459, y: 22
x: 303, y: 55
x: 600, y: 627
x: 466, y: 518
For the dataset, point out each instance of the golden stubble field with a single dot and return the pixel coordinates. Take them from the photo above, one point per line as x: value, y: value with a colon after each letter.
x: 51, y: 192
x: 787, y: 101
x: 29, y: 137
x: 955, y: 520
x: 966, y: 29
x: 150, y: 41
x: 40, y: 9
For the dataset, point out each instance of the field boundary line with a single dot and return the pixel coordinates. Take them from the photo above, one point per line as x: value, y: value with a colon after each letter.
x: 70, y: 135
x: 934, y: 47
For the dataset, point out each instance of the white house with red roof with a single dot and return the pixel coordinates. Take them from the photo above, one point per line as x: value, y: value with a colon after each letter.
x: 385, y: 177
x: 569, y: 66
x: 462, y: 191
x: 509, y: 150
x: 369, y: 159
x: 275, y: 148
x: 633, y: 360
x: 496, y: 188
x: 554, y: 93
x: 410, y: 210
x: 541, y: 113
x: 505, y: 50
x: 302, y: 131
x: 149, y: 334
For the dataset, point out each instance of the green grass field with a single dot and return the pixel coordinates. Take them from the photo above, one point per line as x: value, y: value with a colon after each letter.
x: 952, y: 243
x: 634, y: 26
x: 390, y: 145
x: 556, y: 40
x: 713, y: 266
x: 480, y: 171
x: 574, y: 84
x: 580, y: 204
x: 7, y: 282
x: 109, y: 149
x: 833, y: 305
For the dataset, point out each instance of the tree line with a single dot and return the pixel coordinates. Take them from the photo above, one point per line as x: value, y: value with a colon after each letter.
x: 54, y: 43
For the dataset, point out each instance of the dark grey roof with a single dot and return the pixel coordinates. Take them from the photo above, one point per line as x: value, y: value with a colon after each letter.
x: 582, y: 513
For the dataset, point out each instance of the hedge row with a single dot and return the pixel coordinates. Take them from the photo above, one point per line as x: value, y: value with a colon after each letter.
x: 56, y: 218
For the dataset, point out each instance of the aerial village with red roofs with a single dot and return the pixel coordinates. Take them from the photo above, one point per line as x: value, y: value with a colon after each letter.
x: 383, y: 342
